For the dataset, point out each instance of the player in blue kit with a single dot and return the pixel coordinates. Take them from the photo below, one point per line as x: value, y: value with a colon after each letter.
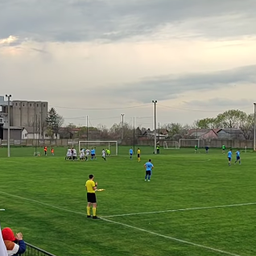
x: 229, y: 157
x: 148, y: 166
x: 131, y: 153
x: 238, y: 158
x: 93, y: 154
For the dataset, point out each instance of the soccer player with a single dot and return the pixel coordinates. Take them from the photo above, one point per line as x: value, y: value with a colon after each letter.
x: 69, y: 154
x: 91, y: 187
x: 223, y: 149
x: 196, y: 148
x: 108, y: 152
x: 238, y: 158
x: 103, y: 153
x: 93, y: 154
x: 148, y: 166
x: 206, y: 149
x: 74, y: 154
x: 52, y: 151
x: 131, y: 153
x: 138, y: 154
x: 45, y: 151
x: 229, y: 157
x: 87, y: 153
x: 82, y: 154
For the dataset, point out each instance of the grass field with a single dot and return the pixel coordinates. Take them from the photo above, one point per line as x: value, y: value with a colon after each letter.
x: 194, y: 205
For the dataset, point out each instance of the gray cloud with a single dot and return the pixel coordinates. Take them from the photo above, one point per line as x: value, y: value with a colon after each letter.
x: 104, y: 20
x: 220, y: 103
x: 172, y: 86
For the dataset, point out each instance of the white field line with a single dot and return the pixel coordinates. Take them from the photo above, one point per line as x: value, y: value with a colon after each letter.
x: 172, y: 238
x: 133, y: 227
x: 180, y: 210
x: 136, y: 213
x: 45, y: 204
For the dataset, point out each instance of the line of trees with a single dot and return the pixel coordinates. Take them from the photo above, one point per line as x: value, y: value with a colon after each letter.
x: 232, y: 119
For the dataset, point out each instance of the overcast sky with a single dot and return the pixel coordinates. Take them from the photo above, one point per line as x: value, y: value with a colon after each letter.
x: 104, y: 58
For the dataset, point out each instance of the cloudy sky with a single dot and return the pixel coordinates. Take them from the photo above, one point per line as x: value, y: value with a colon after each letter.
x: 104, y: 58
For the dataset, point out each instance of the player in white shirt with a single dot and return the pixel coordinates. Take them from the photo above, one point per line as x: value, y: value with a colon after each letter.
x: 87, y: 153
x: 74, y: 154
x: 69, y: 154
x: 82, y: 154
x: 103, y: 153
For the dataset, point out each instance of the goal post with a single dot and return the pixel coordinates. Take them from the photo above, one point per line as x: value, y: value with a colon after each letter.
x: 189, y: 143
x: 171, y: 145
x: 112, y: 145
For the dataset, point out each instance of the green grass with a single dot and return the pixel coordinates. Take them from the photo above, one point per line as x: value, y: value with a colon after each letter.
x: 45, y: 198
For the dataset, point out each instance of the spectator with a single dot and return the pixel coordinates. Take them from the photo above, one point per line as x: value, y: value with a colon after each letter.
x: 14, y: 244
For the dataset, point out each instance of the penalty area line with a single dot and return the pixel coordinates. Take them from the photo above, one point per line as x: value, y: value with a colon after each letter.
x: 171, y: 238
x: 180, y: 210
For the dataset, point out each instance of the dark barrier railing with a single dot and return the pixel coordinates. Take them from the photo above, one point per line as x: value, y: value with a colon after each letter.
x: 32, y: 250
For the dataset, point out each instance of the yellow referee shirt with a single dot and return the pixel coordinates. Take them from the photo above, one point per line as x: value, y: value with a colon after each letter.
x: 90, y: 184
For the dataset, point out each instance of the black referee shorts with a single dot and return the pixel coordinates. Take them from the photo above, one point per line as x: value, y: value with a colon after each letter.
x: 91, y: 198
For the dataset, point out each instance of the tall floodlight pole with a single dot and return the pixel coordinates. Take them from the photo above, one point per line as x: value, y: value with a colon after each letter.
x: 9, y: 125
x: 254, y: 132
x: 154, y: 102
x: 122, y: 118
x: 87, y: 130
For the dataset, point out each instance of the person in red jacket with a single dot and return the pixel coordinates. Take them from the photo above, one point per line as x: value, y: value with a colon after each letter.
x: 14, y: 244
x: 45, y: 151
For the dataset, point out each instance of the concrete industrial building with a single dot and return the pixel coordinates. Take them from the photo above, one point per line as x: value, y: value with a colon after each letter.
x: 23, y: 114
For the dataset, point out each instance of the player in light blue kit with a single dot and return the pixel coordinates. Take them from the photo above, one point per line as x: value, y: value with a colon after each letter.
x: 238, y: 158
x: 93, y: 154
x: 148, y: 166
x: 131, y: 153
x: 229, y: 157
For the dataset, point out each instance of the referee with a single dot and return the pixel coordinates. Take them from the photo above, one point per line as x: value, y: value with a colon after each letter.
x: 91, y: 187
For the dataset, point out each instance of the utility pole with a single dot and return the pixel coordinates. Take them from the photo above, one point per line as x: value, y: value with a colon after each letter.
x: 87, y: 130
x: 37, y: 136
x: 9, y: 125
x: 134, y: 132
x: 122, y: 118
x: 154, y: 102
x: 254, y: 132
x: 40, y: 125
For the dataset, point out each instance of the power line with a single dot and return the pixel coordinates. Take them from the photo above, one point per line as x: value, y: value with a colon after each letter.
x: 84, y: 118
x: 196, y: 110
x: 101, y: 109
x: 102, y: 118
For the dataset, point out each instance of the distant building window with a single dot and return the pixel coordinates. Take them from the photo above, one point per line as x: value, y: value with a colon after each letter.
x: 44, y: 105
x: 16, y: 104
x: 30, y: 104
x: 37, y: 105
x: 23, y: 104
